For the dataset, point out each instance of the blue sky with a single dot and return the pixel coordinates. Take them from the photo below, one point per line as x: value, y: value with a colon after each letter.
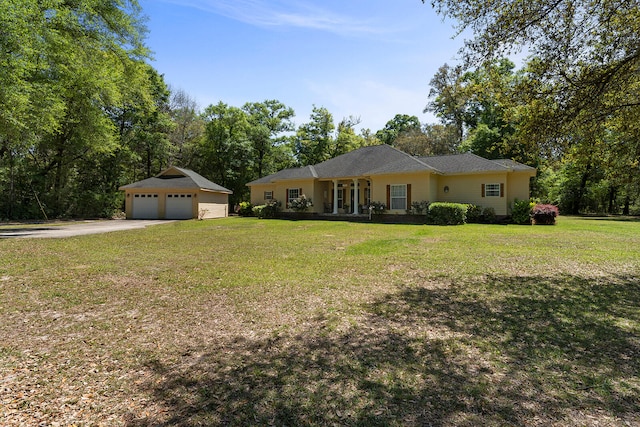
x: 371, y: 59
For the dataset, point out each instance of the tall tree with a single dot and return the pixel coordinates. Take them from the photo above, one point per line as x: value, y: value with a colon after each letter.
x: 449, y: 98
x: 586, y: 55
x: 268, y: 121
x: 313, y: 141
x: 188, y: 127
x: 431, y: 140
x: 396, y: 126
x: 67, y: 64
x: 225, y: 151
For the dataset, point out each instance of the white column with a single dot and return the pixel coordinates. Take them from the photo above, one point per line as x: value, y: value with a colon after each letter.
x: 355, y: 197
x: 335, y: 196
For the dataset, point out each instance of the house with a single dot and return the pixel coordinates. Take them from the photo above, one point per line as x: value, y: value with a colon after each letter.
x: 347, y: 183
x: 176, y: 193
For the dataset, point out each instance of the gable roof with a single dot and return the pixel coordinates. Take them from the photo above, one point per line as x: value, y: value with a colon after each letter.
x: 385, y: 159
x: 178, y: 179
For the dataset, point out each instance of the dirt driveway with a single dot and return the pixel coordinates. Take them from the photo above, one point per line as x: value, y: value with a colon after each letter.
x: 60, y: 230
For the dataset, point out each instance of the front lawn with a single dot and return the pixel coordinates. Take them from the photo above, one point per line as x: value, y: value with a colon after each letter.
x: 266, y: 322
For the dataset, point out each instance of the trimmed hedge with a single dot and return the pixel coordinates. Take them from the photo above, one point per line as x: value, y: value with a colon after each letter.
x: 447, y: 214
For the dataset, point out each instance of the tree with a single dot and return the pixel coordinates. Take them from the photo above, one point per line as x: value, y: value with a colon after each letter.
x: 313, y: 141
x: 394, y: 127
x: 449, y: 98
x: 225, y: 151
x: 346, y: 137
x: 188, y: 127
x: 585, y: 55
x: 67, y: 65
x: 268, y: 121
x: 431, y: 140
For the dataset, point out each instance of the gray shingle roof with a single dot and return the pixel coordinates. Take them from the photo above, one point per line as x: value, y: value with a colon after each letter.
x: 183, y: 180
x: 512, y: 164
x: 384, y: 159
x: 471, y: 163
x: 374, y: 160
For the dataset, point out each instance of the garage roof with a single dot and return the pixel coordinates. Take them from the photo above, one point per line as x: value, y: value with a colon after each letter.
x: 175, y: 178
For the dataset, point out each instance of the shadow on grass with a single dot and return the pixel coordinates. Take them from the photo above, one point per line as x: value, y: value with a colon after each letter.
x: 498, y: 351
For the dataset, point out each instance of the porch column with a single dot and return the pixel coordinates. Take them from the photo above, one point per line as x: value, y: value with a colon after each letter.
x: 335, y: 196
x: 355, y: 197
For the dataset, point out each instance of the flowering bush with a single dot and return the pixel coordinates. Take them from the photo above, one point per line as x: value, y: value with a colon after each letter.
x: 301, y: 204
x: 378, y: 207
x: 544, y: 214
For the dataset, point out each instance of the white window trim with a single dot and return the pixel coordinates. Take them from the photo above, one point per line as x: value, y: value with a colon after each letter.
x: 492, y: 190
x: 291, y: 191
x: 398, y: 198
x: 268, y: 195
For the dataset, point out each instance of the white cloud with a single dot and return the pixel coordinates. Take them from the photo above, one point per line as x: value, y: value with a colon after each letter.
x: 284, y: 13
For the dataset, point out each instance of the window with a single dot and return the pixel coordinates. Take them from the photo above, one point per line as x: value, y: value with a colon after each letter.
x: 367, y: 196
x: 398, y: 197
x: 268, y: 195
x: 294, y: 193
x: 340, y: 198
x: 492, y: 190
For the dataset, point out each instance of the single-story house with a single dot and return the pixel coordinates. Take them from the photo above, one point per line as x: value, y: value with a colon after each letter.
x: 350, y: 182
x: 176, y: 193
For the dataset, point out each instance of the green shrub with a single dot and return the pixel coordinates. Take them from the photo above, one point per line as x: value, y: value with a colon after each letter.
x: 521, y: 211
x: 269, y: 210
x: 544, y: 214
x: 474, y: 214
x: 419, y: 208
x: 447, y: 214
x: 245, y: 209
x: 489, y: 215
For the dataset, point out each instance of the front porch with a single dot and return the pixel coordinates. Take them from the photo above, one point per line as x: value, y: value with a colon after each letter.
x: 346, y: 196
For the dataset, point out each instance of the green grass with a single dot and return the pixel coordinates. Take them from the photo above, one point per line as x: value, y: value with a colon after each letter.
x: 248, y: 322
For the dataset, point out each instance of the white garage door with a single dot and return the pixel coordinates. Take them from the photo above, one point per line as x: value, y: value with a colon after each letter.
x: 179, y: 206
x: 145, y: 206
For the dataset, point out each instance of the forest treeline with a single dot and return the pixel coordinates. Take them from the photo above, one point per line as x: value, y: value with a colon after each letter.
x: 82, y: 112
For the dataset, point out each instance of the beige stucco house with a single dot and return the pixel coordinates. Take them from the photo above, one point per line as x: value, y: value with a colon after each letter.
x: 176, y: 193
x: 348, y: 183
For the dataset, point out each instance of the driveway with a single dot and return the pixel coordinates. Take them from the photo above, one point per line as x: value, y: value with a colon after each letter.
x: 60, y: 230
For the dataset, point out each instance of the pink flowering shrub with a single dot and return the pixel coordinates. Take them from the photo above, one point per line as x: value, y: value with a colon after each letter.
x: 544, y: 214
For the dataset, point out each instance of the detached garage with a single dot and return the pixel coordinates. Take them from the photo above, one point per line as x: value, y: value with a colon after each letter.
x: 176, y: 193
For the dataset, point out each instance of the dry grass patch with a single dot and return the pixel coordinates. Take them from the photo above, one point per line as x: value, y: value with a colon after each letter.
x: 246, y: 322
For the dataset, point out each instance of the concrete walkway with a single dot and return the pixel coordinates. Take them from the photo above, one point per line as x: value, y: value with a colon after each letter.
x: 61, y: 230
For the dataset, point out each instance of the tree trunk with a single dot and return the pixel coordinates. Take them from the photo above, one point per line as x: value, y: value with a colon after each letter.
x: 612, y: 198
x: 577, y: 202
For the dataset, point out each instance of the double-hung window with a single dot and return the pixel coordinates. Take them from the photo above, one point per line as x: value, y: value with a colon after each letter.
x: 398, y: 195
x: 294, y: 193
x: 492, y: 190
x: 268, y: 195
